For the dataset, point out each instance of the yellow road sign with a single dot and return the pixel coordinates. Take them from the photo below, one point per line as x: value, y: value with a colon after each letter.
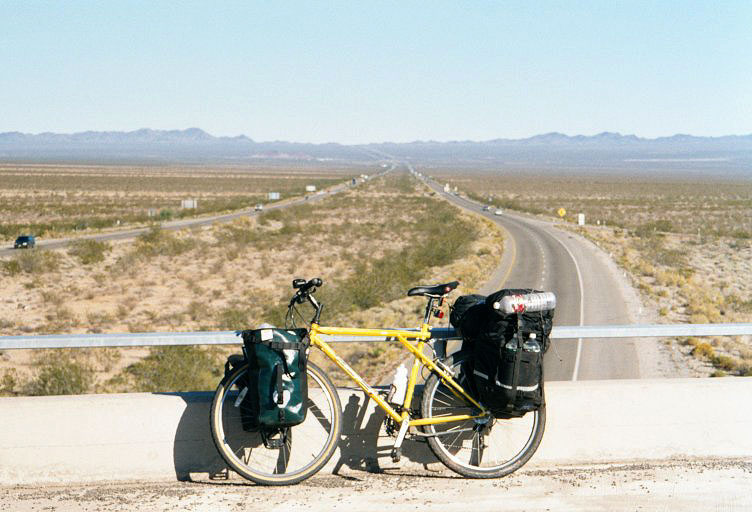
x: 562, y: 212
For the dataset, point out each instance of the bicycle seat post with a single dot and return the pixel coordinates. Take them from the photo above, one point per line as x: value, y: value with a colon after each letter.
x: 429, y: 310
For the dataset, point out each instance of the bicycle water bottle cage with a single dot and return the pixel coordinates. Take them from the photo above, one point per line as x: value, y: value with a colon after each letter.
x: 437, y: 290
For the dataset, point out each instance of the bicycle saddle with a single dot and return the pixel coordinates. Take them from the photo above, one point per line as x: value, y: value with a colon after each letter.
x: 438, y: 289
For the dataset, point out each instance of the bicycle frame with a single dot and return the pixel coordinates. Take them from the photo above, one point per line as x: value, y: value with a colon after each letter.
x: 420, y: 360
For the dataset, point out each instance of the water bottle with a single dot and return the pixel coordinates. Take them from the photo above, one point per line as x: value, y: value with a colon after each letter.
x: 531, y: 343
x: 526, y: 303
x: 398, y: 389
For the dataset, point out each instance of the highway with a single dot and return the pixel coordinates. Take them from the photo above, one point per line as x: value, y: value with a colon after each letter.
x: 125, y: 234
x: 588, y: 287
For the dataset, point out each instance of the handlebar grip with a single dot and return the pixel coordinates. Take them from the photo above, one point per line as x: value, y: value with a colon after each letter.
x: 303, y: 289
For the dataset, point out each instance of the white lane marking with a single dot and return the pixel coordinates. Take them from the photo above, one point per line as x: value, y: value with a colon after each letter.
x: 577, y: 358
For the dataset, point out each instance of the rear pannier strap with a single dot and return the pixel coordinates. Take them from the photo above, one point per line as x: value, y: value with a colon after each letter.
x: 516, y: 371
x: 282, y: 345
x: 280, y: 390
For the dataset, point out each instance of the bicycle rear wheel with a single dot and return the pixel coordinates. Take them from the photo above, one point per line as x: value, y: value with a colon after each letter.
x: 293, y: 454
x: 474, y: 448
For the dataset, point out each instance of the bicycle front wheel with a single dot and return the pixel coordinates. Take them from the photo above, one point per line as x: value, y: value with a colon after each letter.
x: 480, y: 448
x: 294, y: 453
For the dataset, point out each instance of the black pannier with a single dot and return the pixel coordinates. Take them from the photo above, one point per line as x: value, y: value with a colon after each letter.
x: 506, y: 362
x: 277, y: 379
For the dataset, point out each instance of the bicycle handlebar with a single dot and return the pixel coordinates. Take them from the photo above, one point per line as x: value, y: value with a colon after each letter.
x: 304, y: 291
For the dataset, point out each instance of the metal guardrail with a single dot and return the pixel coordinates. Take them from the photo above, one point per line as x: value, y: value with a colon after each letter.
x: 150, y: 339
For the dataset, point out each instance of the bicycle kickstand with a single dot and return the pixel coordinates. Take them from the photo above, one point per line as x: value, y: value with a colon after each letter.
x: 397, y: 449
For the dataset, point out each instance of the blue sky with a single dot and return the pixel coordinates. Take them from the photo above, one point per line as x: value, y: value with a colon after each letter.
x: 385, y: 71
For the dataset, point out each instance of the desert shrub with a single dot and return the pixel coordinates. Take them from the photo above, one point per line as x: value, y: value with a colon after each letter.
x: 291, y: 227
x: 32, y: 261
x: 8, y: 382
x: 703, y: 351
x: 6, y: 324
x: 197, y: 310
x: 738, y: 304
x: 157, y: 242
x: 648, y: 229
x: 725, y: 362
x: 106, y: 357
x: 233, y: 317
x: 267, y: 217
x: 691, y: 341
x: 240, y: 233
x: 11, y: 267
x: 274, y: 313
x: 444, y: 237
x: 188, y: 368
x: 60, y: 374
x: 59, y: 320
x: 89, y: 251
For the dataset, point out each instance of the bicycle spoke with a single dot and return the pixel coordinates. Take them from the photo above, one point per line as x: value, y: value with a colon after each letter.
x: 470, y: 447
x: 249, y: 450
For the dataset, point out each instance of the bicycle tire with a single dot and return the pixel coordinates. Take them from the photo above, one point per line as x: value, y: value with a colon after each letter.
x: 245, y: 451
x: 478, y: 453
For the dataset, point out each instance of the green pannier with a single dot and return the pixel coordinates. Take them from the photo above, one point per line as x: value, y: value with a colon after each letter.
x: 277, y: 379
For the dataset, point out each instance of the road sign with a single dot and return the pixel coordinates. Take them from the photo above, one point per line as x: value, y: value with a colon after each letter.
x: 562, y: 212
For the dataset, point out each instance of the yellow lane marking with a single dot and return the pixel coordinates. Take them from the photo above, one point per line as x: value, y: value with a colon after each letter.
x: 514, y: 255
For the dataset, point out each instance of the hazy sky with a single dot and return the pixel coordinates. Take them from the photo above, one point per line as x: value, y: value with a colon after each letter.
x: 351, y: 72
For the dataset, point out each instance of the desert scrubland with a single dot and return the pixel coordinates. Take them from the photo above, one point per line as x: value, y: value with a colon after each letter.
x: 685, y: 242
x: 369, y: 245
x: 62, y: 200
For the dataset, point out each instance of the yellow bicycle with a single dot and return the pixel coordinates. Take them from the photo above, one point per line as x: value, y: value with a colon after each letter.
x: 462, y: 433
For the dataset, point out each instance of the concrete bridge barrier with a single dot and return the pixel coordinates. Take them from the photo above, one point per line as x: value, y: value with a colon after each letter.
x: 162, y: 436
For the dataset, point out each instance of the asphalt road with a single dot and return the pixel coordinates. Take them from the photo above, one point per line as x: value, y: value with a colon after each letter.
x: 125, y: 234
x: 587, y: 287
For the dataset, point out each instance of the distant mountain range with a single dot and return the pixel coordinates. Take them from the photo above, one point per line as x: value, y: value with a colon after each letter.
x: 551, y: 150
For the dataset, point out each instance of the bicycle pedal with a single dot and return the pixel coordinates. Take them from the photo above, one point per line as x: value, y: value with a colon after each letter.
x: 396, y: 454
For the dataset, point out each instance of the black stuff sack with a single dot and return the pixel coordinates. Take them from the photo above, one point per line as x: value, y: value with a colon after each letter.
x: 467, y: 312
x: 277, y: 378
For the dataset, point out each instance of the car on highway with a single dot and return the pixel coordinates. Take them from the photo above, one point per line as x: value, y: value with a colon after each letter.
x: 259, y: 207
x: 486, y: 208
x: 25, y: 242
x: 498, y: 212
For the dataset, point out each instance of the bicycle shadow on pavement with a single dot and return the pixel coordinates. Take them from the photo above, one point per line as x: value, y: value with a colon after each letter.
x: 365, y: 446
x: 193, y: 449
